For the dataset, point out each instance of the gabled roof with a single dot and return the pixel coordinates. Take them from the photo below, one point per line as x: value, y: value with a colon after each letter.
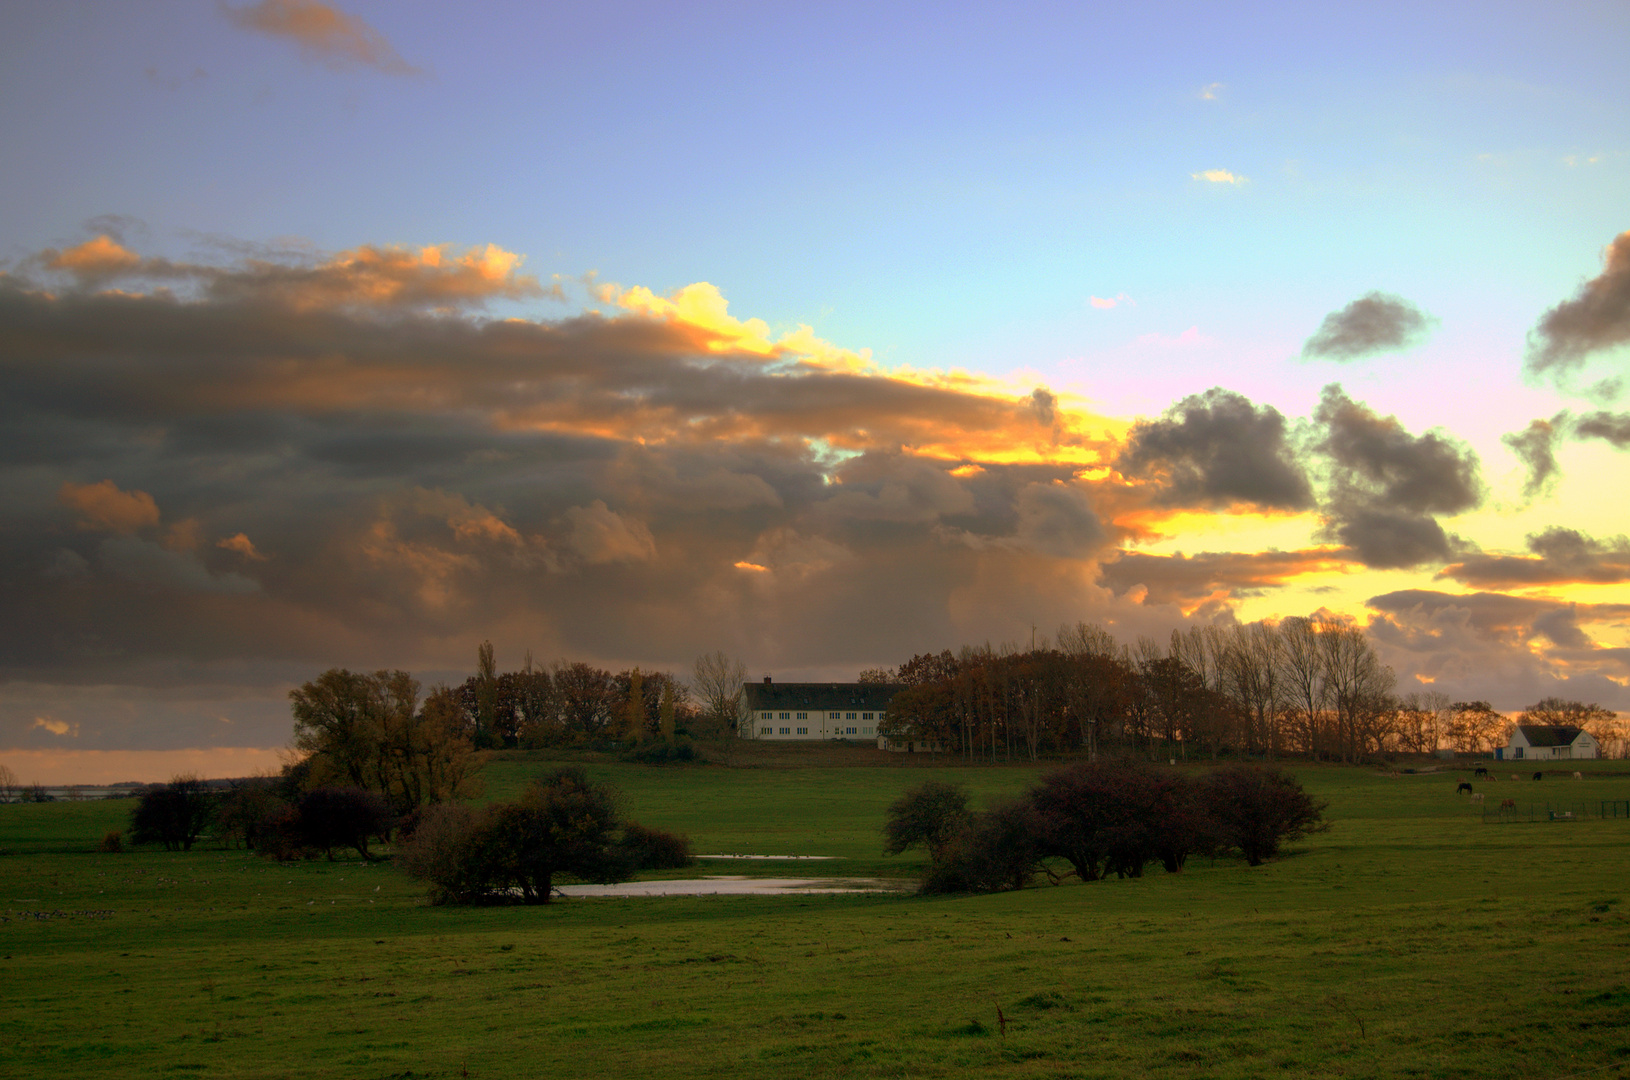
x: 1549, y: 734
x: 874, y: 697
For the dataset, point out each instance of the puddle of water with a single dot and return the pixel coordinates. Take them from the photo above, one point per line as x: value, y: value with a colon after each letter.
x: 722, y: 885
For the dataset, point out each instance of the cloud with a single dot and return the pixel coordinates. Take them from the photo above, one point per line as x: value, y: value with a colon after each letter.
x: 370, y: 276
x: 145, y: 563
x: 1386, y: 484
x: 324, y: 34
x: 1535, y: 447
x: 1611, y: 427
x: 1106, y: 303
x: 241, y: 544
x: 56, y: 727
x: 1596, y: 319
x: 601, y: 535
x: 1188, y: 580
x: 102, y: 506
x: 1374, y: 323
x: 1219, y: 176
x: 1507, y: 649
x: 1560, y: 557
x: 95, y: 259
x: 1217, y: 449
x: 1211, y: 91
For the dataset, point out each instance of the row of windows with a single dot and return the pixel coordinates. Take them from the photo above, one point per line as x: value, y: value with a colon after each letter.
x: 805, y: 731
x: 830, y: 716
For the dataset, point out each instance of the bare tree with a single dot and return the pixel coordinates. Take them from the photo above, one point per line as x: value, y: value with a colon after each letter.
x: 8, y: 785
x: 1301, y: 672
x: 717, y: 682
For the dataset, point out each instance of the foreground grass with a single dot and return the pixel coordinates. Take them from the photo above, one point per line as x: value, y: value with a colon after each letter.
x: 1410, y: 940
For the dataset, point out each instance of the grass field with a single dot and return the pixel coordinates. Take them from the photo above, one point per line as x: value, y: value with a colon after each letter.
x: 1409, y: 940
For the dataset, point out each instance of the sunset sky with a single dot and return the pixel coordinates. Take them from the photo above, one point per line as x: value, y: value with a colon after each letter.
x: 821, y: 334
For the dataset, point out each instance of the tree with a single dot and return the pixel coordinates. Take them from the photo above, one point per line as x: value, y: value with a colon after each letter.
x: 1256, y: 810
x: 368, y: 731
x: 634, y: 708
x: 8, y: 785
x: 175, y: 814
x: 586, y: 698
x: 930, y: 815
x: 717, y: 681
x: 1474, y: 725
x: 248, y: 812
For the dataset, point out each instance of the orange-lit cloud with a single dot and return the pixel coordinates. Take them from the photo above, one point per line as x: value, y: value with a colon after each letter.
x: 324, y: 34
x: 241, y: 544
x: 102, y: 506
x: 1218, y: 176
x: 95, y: 258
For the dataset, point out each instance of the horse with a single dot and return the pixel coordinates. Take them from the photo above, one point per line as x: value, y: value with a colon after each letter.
x: 1464, y: 787
x: 1539, y: 776
x: 1480, y: 771
x: 1508, y: 804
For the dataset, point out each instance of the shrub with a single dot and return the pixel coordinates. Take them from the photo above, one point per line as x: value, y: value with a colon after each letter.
x: 112, y: 843
x: 655, y: 849
x: 1256, y: 809
x: 338, y: 817
x: 174, y: 814
x: 930, y: 815
x: 563, y: 824
x: 662, y: 753
x: 439, y: 852
x: 995, y: 851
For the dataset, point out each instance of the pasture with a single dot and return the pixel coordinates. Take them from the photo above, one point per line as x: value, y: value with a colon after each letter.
x: 1412, y: 940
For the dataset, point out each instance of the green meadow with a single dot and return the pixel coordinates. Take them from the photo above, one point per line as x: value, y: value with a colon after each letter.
x: 1411, y: 939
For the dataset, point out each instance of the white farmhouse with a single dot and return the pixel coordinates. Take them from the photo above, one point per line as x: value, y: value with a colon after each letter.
x: 1548, y: 742
x: 792, y: 712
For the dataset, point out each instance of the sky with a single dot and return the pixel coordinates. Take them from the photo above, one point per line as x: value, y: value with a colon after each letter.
x: 354, y: 335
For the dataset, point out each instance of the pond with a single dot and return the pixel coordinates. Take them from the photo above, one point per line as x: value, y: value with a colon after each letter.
x: 729, y: 885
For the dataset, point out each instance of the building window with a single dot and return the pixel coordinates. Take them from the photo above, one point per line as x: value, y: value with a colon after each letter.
x: 1517, y: 752
x: 803, y: 716
x: 803, y: 731
x: 851, y: 716
x: 834, y: 716
x: 763, y: 731
x: 850, y: 731
x: 786, y: 731
x: 764, y: 716
x: 786, y: 716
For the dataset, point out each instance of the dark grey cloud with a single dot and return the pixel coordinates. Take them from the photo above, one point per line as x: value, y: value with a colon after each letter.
x: 1217, y: 449
x: 1595, y: 319
x: 1611, y: 427
x: 1559, y: 557
x: 1535, y: 447
x: 1386, y: 485
x: 268, y: 476
x: 1374, y: 323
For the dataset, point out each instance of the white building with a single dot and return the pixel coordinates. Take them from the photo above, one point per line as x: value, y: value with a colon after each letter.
x: 794, y: 712
x: 1548, y: 742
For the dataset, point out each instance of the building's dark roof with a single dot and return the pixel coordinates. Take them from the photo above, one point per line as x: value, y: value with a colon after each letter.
x: 822, y: 696
x: 1549, y: 734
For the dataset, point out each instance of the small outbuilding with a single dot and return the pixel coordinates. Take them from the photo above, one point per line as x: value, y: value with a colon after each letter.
x: 1548, y: 742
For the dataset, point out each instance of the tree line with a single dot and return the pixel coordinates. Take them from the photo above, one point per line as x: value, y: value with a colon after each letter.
x: 1100, y: 818
x: 1308, y: 686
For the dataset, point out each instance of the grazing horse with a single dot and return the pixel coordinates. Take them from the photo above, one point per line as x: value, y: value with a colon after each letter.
x: 1508, y: 804
x: 1477, y: 797
x: 1464, y: 787
x: 1514, y: 776
x: 1578, y: 776
x: 1539, y: 776
x: 1480, y: 771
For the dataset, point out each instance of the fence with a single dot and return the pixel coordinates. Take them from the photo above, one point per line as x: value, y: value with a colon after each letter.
x: 1567, y: 810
